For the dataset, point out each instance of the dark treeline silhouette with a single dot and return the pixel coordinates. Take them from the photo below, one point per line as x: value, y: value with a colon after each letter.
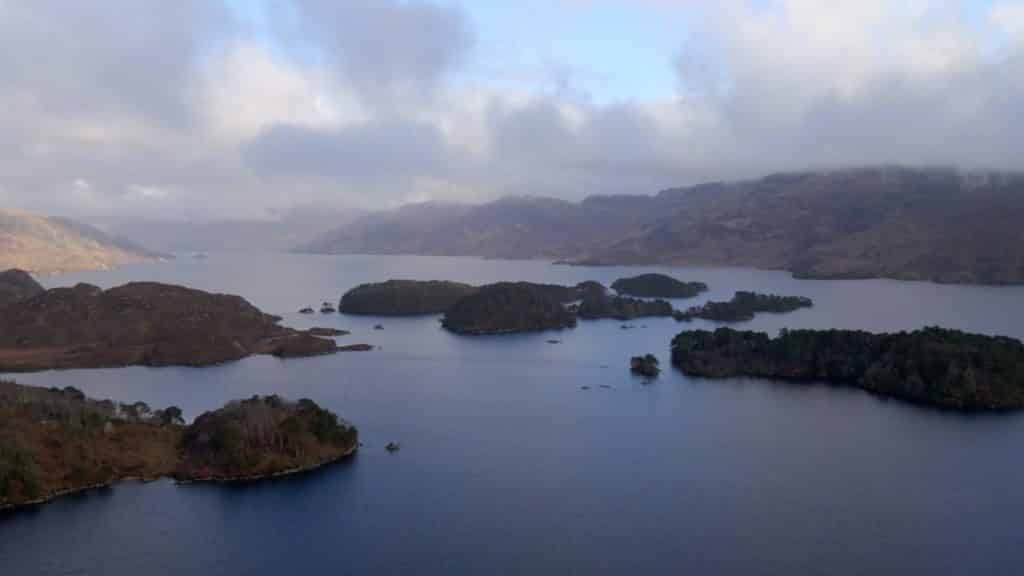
x: 934, y: 366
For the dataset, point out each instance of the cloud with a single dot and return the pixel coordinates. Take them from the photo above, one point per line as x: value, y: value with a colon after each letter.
x: 361, y: 158
x: 385, y: 47
x: 151, y: 108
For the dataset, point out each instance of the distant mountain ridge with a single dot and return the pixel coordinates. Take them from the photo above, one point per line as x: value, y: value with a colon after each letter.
x: 45, y: 245
x: 932, y: 224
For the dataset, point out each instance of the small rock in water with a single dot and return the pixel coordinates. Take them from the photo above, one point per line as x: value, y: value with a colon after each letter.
x: 646, y: 366
x: 378, y: 327
x: 393, y: 447
x: 584, y: 387
x: 554, y: 341
x: 306, y: 310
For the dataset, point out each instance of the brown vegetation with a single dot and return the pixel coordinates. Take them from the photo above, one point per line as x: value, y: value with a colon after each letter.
x: 141, y: 323
x: 54, y: 442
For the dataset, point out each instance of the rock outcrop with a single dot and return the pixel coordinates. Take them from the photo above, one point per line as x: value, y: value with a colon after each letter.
x: 17, y: 285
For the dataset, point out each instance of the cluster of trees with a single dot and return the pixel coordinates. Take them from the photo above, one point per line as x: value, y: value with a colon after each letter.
x: 54, y: 439
x: 262, y: 435
x: 620, y: 307
x: 935, y: 366
x: 658, y: 286
x: 744, y: 306
x: 646, y: 365
x: 403, y: 298
x: 509, y: 307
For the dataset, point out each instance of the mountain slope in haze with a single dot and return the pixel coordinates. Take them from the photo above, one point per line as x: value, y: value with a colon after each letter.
x: 513, y: 227
x: 296, y: 227
x: 46, y: 245
x: 912, y: 224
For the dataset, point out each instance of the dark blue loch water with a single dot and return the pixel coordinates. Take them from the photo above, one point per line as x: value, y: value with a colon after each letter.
x: 509, y: 467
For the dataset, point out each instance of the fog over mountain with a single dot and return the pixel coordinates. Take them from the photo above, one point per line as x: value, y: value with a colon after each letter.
x: 240, y: 110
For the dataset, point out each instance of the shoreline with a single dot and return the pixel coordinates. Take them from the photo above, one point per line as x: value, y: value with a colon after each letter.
x: 49, y: 498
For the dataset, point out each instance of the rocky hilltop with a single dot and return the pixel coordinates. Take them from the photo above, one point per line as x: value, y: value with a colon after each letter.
x: 509, y: 307
x: 17, y: 285
x: 55, y: 442
x: 904, y: 223
x: 934, y: 366
x: 403, y: 298
x: 658, y: 286
x: 142, y: 323
x: 48, y: 245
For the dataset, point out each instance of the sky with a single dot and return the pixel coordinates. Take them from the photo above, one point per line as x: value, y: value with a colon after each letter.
x: 210, y: 109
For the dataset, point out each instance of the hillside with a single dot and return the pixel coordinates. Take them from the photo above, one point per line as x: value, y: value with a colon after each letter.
x: 49, y: 245
x: 16, y: 285
x: 142, y: 323
x: 55, y: 442
x: 913, y: 224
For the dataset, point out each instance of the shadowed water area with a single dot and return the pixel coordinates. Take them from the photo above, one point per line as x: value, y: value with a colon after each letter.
x: 509, y: 466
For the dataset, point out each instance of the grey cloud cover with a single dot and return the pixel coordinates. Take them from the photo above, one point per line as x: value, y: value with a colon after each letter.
x: 106, y: 107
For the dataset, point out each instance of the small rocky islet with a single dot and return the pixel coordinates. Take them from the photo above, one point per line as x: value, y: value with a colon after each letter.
x: 57, y: 441
x: 646, y: 366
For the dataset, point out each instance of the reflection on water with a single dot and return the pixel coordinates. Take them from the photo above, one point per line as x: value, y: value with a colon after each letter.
x: 508, y: 466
